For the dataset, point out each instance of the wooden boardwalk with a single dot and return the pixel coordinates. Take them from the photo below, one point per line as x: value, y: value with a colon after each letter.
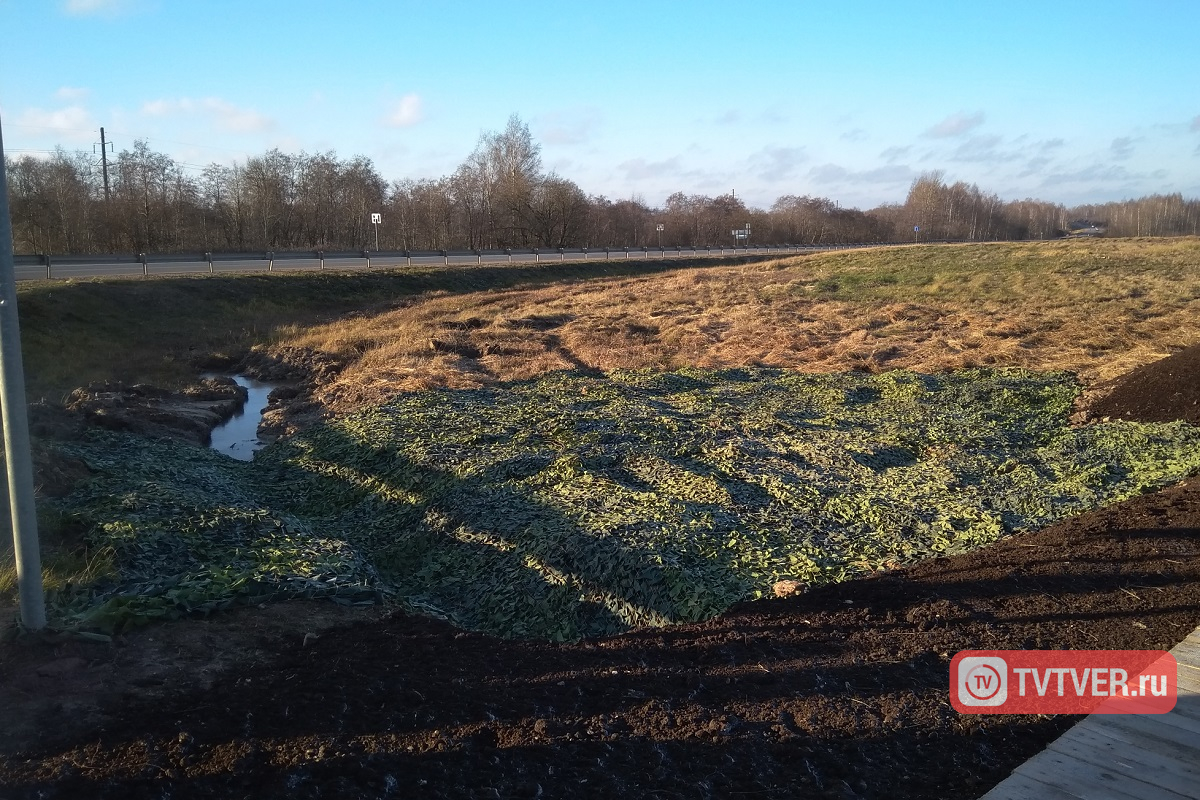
x: 1122, y: 756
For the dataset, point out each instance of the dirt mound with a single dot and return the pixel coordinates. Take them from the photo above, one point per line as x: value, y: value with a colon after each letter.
x: 1165, y: 390
x: 190, y: 414
x: 841, y: 692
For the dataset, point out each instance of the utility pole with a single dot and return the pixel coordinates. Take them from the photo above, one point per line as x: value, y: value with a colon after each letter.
x: 16, y: 429
x: 104, y: 161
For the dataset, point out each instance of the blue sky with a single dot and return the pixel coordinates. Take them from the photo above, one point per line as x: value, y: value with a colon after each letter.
x: 1070, y: 102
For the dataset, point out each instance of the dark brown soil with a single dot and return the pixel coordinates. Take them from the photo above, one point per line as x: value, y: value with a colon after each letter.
x: 1166, y: 390
x: 189, y: 414
x: 841, y: 692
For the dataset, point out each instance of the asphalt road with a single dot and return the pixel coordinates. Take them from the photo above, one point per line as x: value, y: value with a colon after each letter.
x: 66, y: 270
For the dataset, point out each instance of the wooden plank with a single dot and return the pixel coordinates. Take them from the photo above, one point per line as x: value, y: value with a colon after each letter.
x: 1022, y: 787
x: 1084, y: 779
x: 1174, y: 772
x: 1187, y: 653
x: 1187, y: 706
x: 1122, y: 756
x: 1170, y: 727
x: 1189, y: 681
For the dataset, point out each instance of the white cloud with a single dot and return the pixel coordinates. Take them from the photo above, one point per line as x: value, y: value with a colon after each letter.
x: 70, y: 93
x: 81, y: 8
x: 774, y: 163
x: 979, y: 148
x: 856, y: 135
x: 568, y: 127
x: 75, y: 121
x: 729, y: 117
x: 894, y: 154
x: 1122, y: 148
x: 638, y: 168
x: 237, y: 120
x: 406, y: 113
x: 955, y: 125
x: 889, y: 175
x: 225, y: 115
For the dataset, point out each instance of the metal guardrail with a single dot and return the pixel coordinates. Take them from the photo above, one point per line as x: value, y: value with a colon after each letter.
x: 68, y: 266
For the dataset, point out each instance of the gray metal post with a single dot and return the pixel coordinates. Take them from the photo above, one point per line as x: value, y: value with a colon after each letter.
x: 48, y: 275
x: 16, y: 429
x: 145, y: 266
x: 208, y: 258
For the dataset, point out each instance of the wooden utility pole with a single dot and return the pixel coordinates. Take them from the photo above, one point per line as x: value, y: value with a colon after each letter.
x: 16, y: 429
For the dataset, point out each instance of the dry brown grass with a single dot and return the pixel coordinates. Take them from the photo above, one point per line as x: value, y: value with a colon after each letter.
x: 1096, y: 308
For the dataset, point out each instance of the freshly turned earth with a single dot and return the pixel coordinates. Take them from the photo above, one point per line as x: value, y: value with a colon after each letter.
x: 1165, y: 390
x: 840, y: 692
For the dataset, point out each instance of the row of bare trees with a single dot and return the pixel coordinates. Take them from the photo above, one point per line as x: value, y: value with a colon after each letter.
x: 499, y: 197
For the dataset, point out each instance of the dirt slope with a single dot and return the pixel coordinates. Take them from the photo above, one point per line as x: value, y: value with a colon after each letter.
x: 1158, y: 392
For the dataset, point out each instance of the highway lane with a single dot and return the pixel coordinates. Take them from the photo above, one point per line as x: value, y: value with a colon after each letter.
x: 67, y: 268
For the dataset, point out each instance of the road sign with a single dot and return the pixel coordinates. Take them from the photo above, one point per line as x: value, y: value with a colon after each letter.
x: 660, y: 227
x: 916, y: 228
x: 376, y: 219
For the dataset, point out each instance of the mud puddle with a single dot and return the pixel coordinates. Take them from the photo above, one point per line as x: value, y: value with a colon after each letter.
x: 238, y: 437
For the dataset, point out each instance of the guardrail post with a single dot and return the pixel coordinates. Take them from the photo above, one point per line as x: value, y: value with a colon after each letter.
x: 584, y: 253
x: 407, y: 259
x: 508, y: 252
x: 208, y: 258
x: 478, y: 258
x: 367, y: 256
x: 537, y: 257
x: 46, y: 256
x: 445, y: 258
x: 626, y: 253
x: 321, y: 255
x: 562, y: 255
x: 145, y: 266
x: 270, y: 256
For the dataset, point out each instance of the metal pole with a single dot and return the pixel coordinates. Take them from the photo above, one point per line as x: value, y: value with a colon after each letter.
x: 16, y: 429
x: 104, y: 161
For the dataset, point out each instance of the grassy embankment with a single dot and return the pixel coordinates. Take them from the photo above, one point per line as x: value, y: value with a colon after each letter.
x: 156, y: 330
x: 1097, y: 308
x: 1094, y: 307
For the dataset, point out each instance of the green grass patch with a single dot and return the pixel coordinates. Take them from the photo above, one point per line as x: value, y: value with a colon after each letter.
x: 576, y: 505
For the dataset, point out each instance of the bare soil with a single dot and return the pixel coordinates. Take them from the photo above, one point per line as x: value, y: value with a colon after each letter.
x: 841, y: 692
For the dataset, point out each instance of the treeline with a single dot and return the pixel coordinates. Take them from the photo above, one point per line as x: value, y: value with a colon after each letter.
x: 499, y: 197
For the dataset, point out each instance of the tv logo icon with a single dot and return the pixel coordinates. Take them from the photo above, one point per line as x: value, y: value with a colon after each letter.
x: 982, y: 681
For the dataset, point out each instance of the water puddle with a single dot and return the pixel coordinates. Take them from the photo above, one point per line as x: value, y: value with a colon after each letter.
x: 237, y: 437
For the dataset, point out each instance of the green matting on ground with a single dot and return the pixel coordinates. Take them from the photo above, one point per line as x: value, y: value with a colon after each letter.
x: 576, y: 505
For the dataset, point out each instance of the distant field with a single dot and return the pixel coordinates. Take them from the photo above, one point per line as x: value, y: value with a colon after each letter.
x: 1097, y: 308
